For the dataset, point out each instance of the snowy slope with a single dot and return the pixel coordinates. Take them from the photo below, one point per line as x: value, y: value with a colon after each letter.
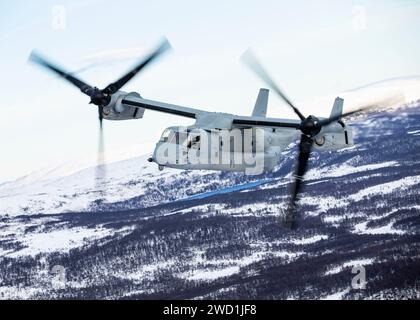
x: 221, y: 239
x: 78, y: 191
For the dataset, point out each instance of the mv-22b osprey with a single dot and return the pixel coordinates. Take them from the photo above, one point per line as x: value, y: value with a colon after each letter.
x: 179, y: 143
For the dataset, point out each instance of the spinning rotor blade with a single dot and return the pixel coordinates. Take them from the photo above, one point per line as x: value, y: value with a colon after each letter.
x: 305, y: 147
x: 100, y: 98
x: 398, y: 98
x: 338, y: 117
x: 117, y: 85
x: 100, y: 161
x: 252, y: 62
x: 309, y: 126
x: 84, y: 87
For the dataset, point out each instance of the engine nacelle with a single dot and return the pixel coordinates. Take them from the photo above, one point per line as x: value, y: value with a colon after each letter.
x: 339, y: 139
x: 116, y: 110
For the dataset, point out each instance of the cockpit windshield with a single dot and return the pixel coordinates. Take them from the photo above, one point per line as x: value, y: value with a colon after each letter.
x: 173, y: 136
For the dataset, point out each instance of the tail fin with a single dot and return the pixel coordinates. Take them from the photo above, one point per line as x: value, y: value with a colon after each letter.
x: 260, y: 108
x: 337, y: 109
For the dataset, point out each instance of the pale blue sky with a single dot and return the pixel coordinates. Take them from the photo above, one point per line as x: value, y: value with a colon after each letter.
x: 310, y: 47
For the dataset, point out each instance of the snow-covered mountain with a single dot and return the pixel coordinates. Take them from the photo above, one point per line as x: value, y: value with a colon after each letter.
x: 40, y: 193
x: 188, y: 234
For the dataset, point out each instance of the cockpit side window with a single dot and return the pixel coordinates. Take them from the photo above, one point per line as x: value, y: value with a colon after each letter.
x: 181, y: 136
x: 165, y: 135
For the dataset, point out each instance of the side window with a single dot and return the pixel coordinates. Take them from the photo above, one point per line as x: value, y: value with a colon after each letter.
x: 181, y: 136
x: 172, y: 137
x: 193, y: 140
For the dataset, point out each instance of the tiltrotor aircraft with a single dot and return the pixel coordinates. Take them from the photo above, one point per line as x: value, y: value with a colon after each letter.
x: 209, y: 143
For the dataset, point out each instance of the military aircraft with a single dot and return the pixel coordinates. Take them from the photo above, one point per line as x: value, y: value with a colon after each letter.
x: 209, y: 143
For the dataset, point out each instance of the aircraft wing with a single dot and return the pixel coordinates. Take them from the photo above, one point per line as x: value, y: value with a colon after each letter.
x: 162, y: 107
x: 253, y: 121
x: 210, y: 120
